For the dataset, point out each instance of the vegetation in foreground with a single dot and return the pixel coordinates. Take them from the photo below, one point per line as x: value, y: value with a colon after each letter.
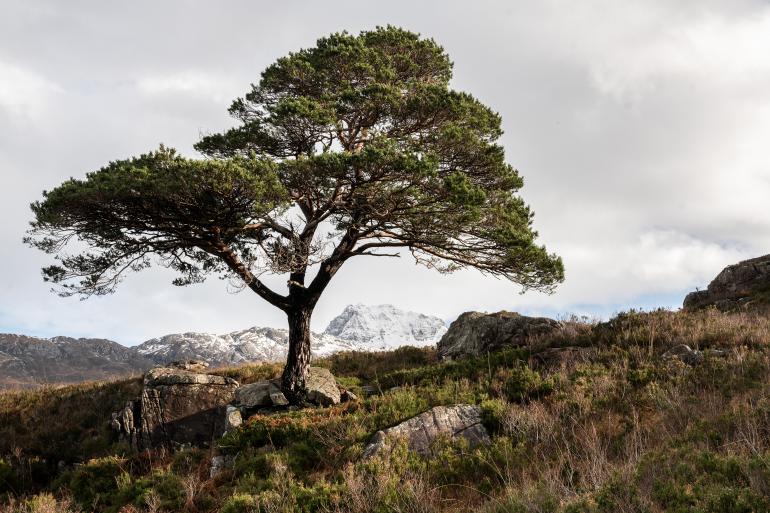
x: 609, y: 427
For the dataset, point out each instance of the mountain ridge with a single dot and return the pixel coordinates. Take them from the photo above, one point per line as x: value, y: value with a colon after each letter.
x: 27, y: 361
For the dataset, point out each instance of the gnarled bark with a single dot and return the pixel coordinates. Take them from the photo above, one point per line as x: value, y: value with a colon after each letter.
x: 295, y: 372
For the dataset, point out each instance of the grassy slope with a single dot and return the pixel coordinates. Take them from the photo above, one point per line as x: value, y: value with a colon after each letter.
x: 610, y: 427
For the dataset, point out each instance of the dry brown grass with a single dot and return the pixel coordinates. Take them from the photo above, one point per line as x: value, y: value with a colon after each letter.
x: 603, y: 427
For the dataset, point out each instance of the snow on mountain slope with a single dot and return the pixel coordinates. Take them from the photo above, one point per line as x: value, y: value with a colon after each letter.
x: 376, y: 327
x: 253, y: 344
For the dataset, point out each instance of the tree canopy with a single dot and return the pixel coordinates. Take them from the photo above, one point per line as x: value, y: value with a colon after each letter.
x: 360, y: 131
x: 357, y: 146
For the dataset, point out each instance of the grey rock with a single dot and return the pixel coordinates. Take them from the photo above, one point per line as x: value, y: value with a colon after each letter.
x: 176, y: 408
x: 321, y: 387
x: 476, y: 333
x: 278, y: 398
x: 260, y: 394
x: 170, y: 376
x: 457, y: 421
x: 369, y: 390
x: 233, y: 418
x: 692, y: 357
x: 740, y: 285
x: 220, y: 463
x: 684, y: 353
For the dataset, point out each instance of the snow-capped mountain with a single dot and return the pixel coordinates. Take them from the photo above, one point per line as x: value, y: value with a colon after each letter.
x: 30, y: 361
x: 375, y: 327
x: 251, y: 345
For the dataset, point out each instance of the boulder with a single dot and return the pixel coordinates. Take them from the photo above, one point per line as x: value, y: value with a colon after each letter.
x: 457, y: 421
x: 745, y: 284
x: 176, y: 408
x: 476, y: 333
x: 262, y: 394
x: 685, y: 353
x: 322, y: 388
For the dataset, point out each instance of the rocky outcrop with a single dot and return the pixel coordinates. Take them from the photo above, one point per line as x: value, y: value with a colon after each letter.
x: 741, y: 285
x: 476, y: 333
x: 322, y: 388
x: 457, y: 421
x: 176, y: 408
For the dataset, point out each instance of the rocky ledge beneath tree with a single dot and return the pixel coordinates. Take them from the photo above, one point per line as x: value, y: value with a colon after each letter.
x: 742, y: 285
x: 476, y: 333
x: 179, y: 408
x: 460, y: 421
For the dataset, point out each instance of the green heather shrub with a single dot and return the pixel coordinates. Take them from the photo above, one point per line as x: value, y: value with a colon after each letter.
x: 523, y: 384
x: 240, y: 503
x: 190, y: 460
x: 7, y: 477
x: 369, y: 366
x: 95, y: 483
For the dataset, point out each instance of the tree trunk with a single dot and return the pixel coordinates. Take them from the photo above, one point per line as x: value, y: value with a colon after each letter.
x: 298, y: 360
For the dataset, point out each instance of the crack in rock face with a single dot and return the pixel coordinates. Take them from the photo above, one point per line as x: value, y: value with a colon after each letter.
x: 176, y: 408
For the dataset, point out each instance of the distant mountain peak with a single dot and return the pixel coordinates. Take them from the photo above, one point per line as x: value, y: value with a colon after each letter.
x: 249, y: 345
x: 385, y: 326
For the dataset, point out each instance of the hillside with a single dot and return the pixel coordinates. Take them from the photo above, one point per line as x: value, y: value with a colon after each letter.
x: 29, y: 362
x: 590, y: 418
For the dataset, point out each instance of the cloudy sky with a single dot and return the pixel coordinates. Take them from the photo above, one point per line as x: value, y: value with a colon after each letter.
x: 642, y: 130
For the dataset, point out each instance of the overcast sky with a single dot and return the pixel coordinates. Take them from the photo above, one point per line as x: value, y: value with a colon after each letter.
x: 642, y: 131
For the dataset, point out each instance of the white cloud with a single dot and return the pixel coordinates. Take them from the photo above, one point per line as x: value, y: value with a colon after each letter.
x: 23, y: 92
x: 189, y: 82
x: 640, y: 129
